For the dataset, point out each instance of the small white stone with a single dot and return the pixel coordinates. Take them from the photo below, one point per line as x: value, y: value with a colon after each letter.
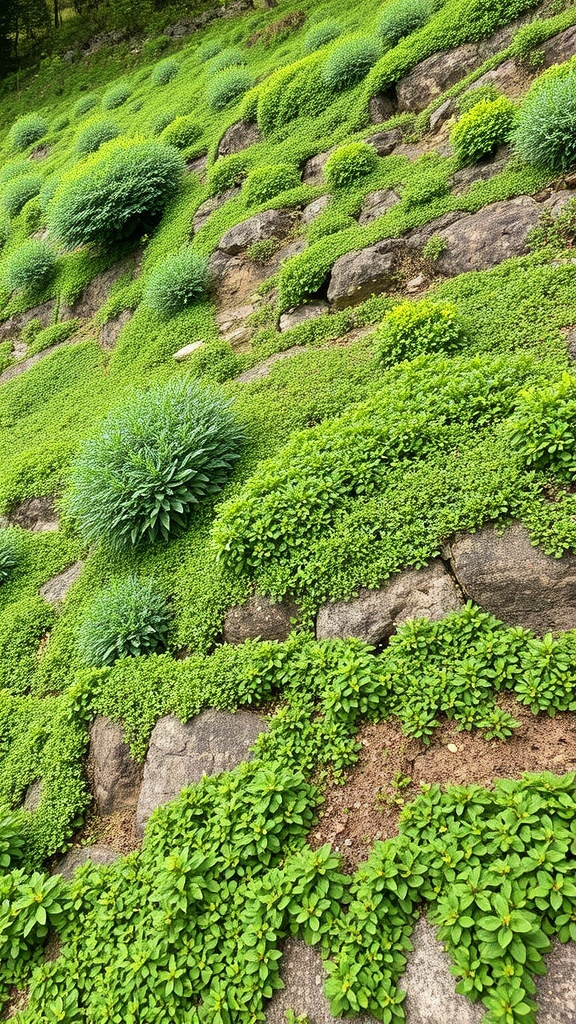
x: 452, y: 748
x: 183, y: 353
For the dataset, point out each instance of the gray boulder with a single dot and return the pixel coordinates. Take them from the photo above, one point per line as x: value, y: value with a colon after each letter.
x: 380, y: 108
x: 303, y: 974
x: 314, y: 209
x: 481, y: 171
x: 429, y: 985
x: 313, y: 170
x: 439, y: 116
x: 33, y: 796
x: 79, y: 855
x: 268, y: 224
x: 259, y: 618
x: 115, y: 776
x: 298, y: 316
x: 358, y: 275
x: 35, y: 514
x: 374, y: 615
x: 385, y: 142
x: 482, y: 240
x: 376, y: 204
x: 180, y: 754
x: 55, y: 590
x: 514, y: 581
x: 238, y: 137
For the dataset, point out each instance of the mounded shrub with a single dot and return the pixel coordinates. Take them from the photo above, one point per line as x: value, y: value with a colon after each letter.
x: 27, y: 130
x: 84, y: 104
x: 116, y: 96
x: 228, y: 58
x: 182, y: 132
x: 350, y: 164
x: 115, y: 192
x: 350, y: 62
x: 487, y: 125
x: 228, y: 87
x: 164, y: 71
x: 15, y: 169
x: 227, y: 172
x: 207, y: 51
x: 8, y: 555
x: 129, y: 619
x: 544, y: 428
x: 401, y: 17
x: 414, y: 328
x: 329, y: 223
x: 268, y: 181
x: 177, y: 282
x: 545, y: 133
x: 469, y: 99
x: 321, y: 34
x: 139, y: 480
x: 94, y: 135
x: 161, y: 120
x: 297, y: 90
x: 19, y: 191
x: 29, y: 266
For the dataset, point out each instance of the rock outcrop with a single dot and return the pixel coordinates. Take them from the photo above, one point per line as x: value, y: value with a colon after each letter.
x: 374, y: 615
x: 54, y: 590
x: 376, y: 204
x: 484, y: 239
x: 180, y: 754
x: 264, y: 225
x: 358, y: 275
x: 115, y: 775
x: 302, y: 313
x: 303, y: 974
x: 259, y: 617
x: 237, y: 137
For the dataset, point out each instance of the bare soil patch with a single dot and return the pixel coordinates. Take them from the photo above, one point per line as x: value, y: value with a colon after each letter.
x: 391, y: 768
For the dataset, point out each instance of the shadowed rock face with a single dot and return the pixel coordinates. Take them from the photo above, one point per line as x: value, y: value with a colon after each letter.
x: 484, y: 239
x: 180, y: 754
x: 514, y: 581
x: 375, y: 615
x: 259, y: 618
x: 237, y: 137
x: 115, y: 775
x: 81, y: 855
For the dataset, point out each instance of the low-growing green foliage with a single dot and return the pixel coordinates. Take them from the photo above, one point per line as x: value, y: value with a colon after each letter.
x: 262, y: 251
x: 181, y: 131
x: 322, y: 34
x: 177, y: 282
x: 544, y: 428
x: 328, y: 223
x: 412, y: 328
x: 227, y: 172
x: 54, y: 334
x: 469, y: 99
x: 434, y: 248
x: 487, y: 125
x: 8, y: 555
x: 15, y: 169
x: 545, y: 134
x: 139, y: 480
x: 116, y: 96
x: 19, y: 191
x: 401, y: 17
x: 28, y: 267
x: 349, y: 164
x: 164, y: 71
x: 116, y: 193
x: 127, y: 620
x: 27, y: 130
x: 95, y: 134
x: 227, y: 87
x: 267, y: 181
x: 349, y: 62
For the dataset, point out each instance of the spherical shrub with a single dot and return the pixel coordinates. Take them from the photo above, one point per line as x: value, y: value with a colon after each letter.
x: 207, y: 51
x: 19, y: 191
x: 269, y: 181
x: 116, y: 96
x: 161, y: 120
x: 129, y: 619
x: 401, y: 17
x: 8, y: 555
x: 15, y: 169
x: 84, y: 104
x: 139, y: 480
x: 228, y: 87
x: 545, y: 134
x: 349, y: 164
x: 329, y: 223
x: 350, y: 62
x: 94, y: 135
x: 325, y: 32
x: 543, y: 428
x: 164, y: 71
x: 28, y: 267
x: 228, y: 58
x: 177, y: 282
x: 226, y: 173
x: 413, y: 328
x: 182, y: 132
x: 27, y: 130
x: 486, y: 126
x: 116, y: 192
x: 473, y: 96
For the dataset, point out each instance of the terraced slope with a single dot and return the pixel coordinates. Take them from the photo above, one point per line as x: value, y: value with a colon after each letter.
x: 287, y: 551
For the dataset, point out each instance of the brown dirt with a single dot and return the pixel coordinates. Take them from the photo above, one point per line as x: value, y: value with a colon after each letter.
x: 17, y: 1001
x: 117, y: 832
x: 367, y: 807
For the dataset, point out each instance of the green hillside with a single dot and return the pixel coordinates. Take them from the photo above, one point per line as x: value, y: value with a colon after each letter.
x: 288, y: 431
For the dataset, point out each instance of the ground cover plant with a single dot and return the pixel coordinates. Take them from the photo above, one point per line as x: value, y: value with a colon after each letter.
x: 182, y: 489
